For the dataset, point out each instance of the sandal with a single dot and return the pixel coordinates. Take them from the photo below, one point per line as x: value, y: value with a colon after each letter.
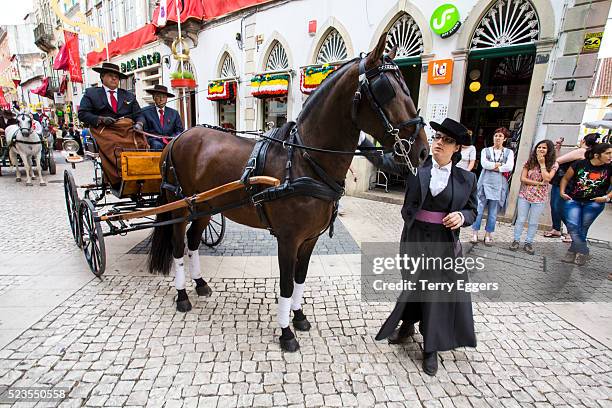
x: 567, y: 238
x: 552, y: 234
x: 488, y: 241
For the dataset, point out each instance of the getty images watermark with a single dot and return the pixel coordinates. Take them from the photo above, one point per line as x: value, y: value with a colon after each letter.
x: 445, y: 272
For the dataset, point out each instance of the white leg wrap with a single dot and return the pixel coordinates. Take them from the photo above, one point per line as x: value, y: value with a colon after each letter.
x: 297, y: 296
x: 179, y: 273
x: 193, y: 257
x: 284, y: 305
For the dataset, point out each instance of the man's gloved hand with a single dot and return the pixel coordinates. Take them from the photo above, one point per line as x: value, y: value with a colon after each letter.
x: 138, y: 126
x: 106, y: 120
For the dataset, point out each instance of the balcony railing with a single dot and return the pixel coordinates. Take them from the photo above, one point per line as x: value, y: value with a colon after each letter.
x: 43, y: 37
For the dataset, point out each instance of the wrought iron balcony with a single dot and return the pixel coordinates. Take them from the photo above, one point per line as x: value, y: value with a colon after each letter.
x: 43, y: 37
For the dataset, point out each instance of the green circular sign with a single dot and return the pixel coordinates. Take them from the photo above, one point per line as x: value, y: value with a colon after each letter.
x: 445, y: 20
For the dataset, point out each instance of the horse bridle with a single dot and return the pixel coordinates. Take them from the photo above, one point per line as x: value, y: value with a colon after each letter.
x: 21, y: 129
x: 379, y: 91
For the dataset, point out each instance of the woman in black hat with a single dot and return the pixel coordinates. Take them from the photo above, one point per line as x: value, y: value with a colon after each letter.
x: 439, y: 200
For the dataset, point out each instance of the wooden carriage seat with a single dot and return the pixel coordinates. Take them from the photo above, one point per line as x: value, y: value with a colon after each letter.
x: 139, y: 173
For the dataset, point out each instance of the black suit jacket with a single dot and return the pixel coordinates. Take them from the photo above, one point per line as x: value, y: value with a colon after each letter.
x: 172, y: 121
x: 95, y: 104
x: 464, y: 182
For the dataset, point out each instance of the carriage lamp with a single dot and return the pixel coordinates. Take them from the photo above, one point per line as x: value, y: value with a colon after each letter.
x: 70, y: 146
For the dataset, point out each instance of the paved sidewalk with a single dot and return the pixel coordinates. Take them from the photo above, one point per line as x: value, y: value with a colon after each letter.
x: 119, y: 341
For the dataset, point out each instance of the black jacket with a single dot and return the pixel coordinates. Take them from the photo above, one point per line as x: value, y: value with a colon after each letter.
x: 95, y: 104
x: 172, y: 122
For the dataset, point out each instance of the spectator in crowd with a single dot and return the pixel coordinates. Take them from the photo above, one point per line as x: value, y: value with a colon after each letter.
x: 564, y: 162
x: 535, y: 176
x: 468, y: 158
x: 497, y: 163
x: 585, y: 187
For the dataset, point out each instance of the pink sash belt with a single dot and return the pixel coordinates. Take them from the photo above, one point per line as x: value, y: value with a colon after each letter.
x: 431, y: 217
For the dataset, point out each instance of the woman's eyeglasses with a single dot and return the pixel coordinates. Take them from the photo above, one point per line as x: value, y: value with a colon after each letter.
x: 445, y: 139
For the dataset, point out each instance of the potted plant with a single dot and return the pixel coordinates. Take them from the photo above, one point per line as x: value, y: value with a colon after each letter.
x: 182, y: 79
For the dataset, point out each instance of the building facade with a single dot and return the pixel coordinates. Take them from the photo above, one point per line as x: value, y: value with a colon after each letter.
x: 501, y: 63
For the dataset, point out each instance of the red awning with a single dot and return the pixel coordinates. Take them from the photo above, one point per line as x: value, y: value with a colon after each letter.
x: 192, y: 9
x: 123, y: 45
x: 3, y: 103
x: 202, y: 9
x: 218, y: 8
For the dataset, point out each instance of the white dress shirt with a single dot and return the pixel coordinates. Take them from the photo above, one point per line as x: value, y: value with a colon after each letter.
x: 108, y: 98
x: 439, y: 177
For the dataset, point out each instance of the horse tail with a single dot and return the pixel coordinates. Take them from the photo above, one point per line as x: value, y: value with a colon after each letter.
x: 160, y: 254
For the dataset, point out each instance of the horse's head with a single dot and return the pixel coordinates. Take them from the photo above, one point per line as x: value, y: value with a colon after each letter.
x: 45, y: 123
x: 384, y: 109
x: 24, y: 121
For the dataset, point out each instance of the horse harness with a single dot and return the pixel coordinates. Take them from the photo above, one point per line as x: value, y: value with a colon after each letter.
x: 328, y: 189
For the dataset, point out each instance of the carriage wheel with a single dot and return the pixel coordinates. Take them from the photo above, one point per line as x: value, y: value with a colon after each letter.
x: 215, y: 230
x: 72, y: 206
x: 52, y: 166
x: 92, y: 240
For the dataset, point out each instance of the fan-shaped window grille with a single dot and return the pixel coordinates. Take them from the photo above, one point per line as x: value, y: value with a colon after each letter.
x: 228, y: 69
x: 406, y: 35
x: 333, y: 49
x: 508, y: 22
x: 277, y: 60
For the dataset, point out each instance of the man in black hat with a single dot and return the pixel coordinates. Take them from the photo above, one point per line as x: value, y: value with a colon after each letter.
x: 162, y: 120
x: 439, y: 200
x: 102, y: 106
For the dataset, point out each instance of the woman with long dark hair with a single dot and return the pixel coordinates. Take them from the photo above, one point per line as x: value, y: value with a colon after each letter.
x: 536, y: 174
x: 586, y: 190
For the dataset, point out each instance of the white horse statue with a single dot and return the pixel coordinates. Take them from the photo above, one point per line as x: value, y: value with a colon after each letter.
x: 25, y: 139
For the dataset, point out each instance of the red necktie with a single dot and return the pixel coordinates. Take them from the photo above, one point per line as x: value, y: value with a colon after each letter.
x: 161, y: 117
x: 113, y: 100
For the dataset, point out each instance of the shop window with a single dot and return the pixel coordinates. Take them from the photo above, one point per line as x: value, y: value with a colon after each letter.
x: 129, y: 84
x: 227, y: 113
x: 275, y: 112
x: 274, y: 103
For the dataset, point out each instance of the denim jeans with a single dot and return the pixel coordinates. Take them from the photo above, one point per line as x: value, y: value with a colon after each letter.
x: 557, y: 205
x: 579, y: 215
x: 492, y: 206
x: 529, y: 212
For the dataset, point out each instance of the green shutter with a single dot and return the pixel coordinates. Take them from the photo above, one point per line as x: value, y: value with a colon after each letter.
x: 502, y: 51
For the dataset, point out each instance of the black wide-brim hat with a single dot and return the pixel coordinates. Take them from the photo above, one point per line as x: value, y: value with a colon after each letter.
x: 110, y: 67
x: 159, y: 89
x: 454, y: 129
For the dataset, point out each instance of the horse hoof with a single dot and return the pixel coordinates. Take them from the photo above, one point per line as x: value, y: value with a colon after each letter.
x: 183, y: 305
x: 43, y: 184
x: 18, y: 180
x: 204, y: 290
x: 301, y: 325
x: 29, y: 184
x: 290, y: 345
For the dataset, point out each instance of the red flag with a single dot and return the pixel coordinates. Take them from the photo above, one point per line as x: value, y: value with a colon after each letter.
x: 42, y: 89
x: 61, y: 60
x: 74, y: 59
x: 63, y: 84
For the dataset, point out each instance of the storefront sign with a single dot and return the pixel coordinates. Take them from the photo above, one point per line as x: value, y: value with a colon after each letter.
x: 141, y: 62
x: 440, y: 72
x: 592, y: 41
x: 445, y: 20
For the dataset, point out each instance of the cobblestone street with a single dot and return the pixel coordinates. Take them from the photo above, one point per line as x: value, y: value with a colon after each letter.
x: 119, y: 341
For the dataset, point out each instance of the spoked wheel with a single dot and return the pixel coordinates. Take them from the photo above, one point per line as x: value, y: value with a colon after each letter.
x: 92, y: 240
x: 72, y: 206
x: 215, y: 230
x: 52, y: 164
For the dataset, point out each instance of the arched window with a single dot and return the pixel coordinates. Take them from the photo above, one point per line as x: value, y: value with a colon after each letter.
x: 228, y: 68
x: 332, y: 49
x: 508, y: 22
x: 277, y: 59
x: 406, y: 35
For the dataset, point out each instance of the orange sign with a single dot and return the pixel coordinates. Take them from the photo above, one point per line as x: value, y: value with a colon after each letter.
x: 440, y: 72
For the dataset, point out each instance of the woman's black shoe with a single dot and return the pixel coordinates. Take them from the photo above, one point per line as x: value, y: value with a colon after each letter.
x: 430, y: 363
x: 402, y: 334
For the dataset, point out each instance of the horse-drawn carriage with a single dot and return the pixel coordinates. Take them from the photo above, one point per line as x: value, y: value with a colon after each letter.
x: 28, y: 133
x: 104, y: 208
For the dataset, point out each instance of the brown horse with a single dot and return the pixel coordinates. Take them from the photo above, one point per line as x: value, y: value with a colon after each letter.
x: 366, y: 94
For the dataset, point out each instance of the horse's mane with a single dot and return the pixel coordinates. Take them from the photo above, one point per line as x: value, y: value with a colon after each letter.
x: 323, y: 90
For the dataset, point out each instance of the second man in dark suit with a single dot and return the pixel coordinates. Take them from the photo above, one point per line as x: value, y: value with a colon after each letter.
x: 162, y: 120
